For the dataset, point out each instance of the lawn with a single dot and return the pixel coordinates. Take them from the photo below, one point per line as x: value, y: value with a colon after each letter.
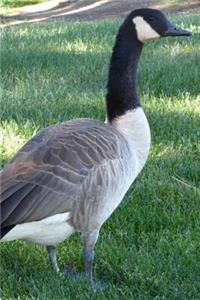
x: 18, y: 3
x: 150, y: 247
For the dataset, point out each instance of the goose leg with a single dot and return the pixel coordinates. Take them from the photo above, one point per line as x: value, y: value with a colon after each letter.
x: 88, y: 254
x: 52, y: 256
x: 89, y: 241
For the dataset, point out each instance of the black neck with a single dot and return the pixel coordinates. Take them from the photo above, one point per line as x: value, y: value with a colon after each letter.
x: 122, y: 92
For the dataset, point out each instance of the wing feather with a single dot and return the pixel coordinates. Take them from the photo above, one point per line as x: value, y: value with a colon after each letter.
x: 45, y: 176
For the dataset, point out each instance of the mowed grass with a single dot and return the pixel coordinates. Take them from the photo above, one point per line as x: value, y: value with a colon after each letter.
x: 150, y: 247
x: 18, y: 3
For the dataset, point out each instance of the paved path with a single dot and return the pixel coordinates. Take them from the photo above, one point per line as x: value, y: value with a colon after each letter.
x: 94, y: 10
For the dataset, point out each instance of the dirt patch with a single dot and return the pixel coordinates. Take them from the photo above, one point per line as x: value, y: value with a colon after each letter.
x: 85, y: 10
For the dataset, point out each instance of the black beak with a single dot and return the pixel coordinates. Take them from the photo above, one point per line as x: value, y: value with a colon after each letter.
x: 174, y: 31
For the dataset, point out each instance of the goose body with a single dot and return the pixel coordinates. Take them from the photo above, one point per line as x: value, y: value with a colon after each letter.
x: 70, y: 177
x: 69, y: 181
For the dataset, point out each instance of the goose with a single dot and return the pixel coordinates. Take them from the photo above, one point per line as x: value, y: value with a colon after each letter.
x: 70, y: 177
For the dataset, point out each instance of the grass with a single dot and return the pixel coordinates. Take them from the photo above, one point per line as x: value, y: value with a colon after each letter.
x: 149, y: 248
x: 11, y: 7
x: 18, y: 3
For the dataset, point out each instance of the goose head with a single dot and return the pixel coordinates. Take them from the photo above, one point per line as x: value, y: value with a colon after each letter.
x: 151, y: 24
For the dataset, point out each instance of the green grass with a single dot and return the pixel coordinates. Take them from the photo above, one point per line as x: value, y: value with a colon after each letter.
x: 150, y: 247
x: 172, y: 1
x: 18, y: 3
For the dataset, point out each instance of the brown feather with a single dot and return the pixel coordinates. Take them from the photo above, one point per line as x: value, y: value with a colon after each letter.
x: 49, y: 173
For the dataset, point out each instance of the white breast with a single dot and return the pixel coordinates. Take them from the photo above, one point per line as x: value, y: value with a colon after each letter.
x: 135, y: 127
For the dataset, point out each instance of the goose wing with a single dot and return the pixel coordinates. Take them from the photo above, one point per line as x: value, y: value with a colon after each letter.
x: 45, y: 176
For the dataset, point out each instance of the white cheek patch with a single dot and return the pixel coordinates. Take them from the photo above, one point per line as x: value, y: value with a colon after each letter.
x: 144, y: 31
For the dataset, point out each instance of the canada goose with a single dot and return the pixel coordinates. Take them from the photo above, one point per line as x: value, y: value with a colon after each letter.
x: 70, y: 177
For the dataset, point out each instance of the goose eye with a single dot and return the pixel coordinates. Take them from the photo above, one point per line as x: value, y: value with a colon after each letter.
x: 151, y: 19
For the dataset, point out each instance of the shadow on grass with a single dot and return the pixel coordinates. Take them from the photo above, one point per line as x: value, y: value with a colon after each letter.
x: 48, y: 78
x: 171, y: 69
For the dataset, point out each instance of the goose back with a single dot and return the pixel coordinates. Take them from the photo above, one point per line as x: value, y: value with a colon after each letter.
x: 68, y: 167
